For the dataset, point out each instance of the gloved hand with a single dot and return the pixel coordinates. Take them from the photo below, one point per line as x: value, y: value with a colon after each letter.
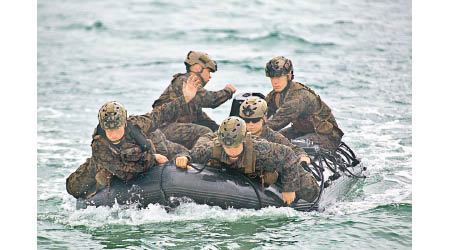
x: 288, y: 197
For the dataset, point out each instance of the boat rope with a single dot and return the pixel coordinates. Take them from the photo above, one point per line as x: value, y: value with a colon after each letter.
x: 322, y: 183
x: 249, y: 181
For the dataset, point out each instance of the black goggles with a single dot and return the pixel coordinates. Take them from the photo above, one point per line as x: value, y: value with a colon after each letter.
x: 252, y: 120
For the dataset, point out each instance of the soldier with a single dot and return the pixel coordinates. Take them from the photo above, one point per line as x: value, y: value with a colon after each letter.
x: 237, y: 149
x: 294, y: 103
x: 254, y: 112
x: 190, y: 127
x: 122, y: 147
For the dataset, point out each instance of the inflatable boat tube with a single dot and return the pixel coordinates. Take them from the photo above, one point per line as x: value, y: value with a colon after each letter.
x: 164, y: 183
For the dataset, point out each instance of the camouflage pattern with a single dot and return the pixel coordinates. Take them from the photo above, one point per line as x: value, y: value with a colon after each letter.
x: 309, y: 189
x: 276, y: 137
x: 324, y: 141
x: 205, y: 138
x: 197, y: 57
x: 204, y: 98
x: 301, y: 106
x: 164, y: 146
x: 253, y: 107
x: 269, y: 157
x: 232, y: 131
x: 82, y: 182
x: 126, y: 159
x: 185, y: 134
x: 188, y: 128
x: 112, y: 115
x: 279, y: 66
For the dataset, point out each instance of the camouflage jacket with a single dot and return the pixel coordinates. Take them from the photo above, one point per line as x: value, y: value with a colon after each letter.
x: 205, y: 98
x: 276, y: 137
x: 300, y: 105
x: 126, y: 159
x: 164, y: 146
x: 269, y: 157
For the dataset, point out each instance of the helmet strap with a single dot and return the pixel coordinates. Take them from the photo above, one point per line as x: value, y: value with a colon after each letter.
x: 199, y: 74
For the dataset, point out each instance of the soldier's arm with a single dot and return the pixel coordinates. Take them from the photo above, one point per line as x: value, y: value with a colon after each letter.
x: 203, y: 119
x: 212, y: 99
x: 201, y: 152
x: 281, y: 158
x: 168, y: 112
x: 291, y: 110
x: 175, y: 149
x: 280, y: 139
x: 270, y: 104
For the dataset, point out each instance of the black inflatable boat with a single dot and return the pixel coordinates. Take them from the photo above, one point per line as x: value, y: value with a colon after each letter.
x: 166, y: 184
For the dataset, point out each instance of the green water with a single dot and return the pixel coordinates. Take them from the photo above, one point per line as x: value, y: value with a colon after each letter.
x: 355, y: 54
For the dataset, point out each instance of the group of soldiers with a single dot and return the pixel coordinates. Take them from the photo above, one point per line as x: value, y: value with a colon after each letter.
x: 257, y: 143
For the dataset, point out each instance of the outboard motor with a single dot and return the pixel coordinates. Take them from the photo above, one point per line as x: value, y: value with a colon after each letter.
x: 239, y: 99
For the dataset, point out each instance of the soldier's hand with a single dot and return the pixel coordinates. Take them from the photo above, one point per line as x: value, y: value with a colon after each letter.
x: 161, y: 158
x: 231, y: 87
x: 288, y: 197
x: 305, y: 159
x: 181, y: 162
x: 190, y: 87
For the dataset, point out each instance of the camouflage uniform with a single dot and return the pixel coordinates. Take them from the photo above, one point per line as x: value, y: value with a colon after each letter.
x: 268, y: 157
x: 276, y: 137
x: 310, y: 117
x: 126, y: 159
x: 164, y: 146
x: 190, y: 127
x: 309, y: 189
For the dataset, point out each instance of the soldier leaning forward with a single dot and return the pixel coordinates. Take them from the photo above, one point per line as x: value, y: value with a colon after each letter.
x: 190, y: 127
x: 255, y: 157
x: 292, y: 102
x: 122, y: 147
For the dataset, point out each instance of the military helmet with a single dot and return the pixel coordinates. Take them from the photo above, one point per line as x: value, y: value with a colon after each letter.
x: 112, y: 115
x: 201, y: 58
x: 232, y: 131
x: 279, y: 66
x: 253, y: 107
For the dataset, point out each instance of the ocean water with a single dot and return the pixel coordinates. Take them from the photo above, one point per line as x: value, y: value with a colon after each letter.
x: 355, y: 54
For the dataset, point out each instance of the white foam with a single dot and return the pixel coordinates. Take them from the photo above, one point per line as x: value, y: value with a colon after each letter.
x: 94, y: 217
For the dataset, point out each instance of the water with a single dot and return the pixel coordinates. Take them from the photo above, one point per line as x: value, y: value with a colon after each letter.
x: 355, y: 54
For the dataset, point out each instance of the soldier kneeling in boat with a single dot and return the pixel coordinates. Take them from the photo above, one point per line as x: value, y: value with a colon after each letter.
x: 125, y: 147
x: 188, y: 128
x: 294, y: 103
x: 235, y: 148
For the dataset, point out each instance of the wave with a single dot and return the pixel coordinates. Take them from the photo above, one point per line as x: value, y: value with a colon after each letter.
x: 97, y: 25
x: 273, y: 36
x: 94, y: 217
